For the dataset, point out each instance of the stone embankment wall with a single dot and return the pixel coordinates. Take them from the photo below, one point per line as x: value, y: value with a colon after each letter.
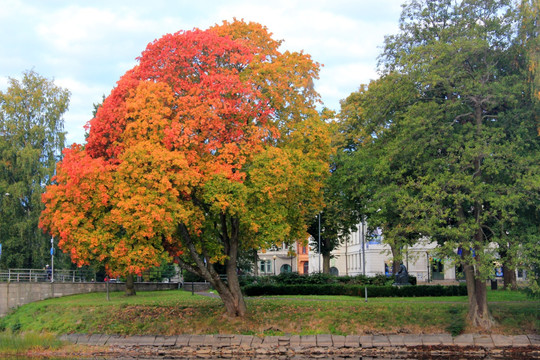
x: 322, y: 346
x: 14, y: 294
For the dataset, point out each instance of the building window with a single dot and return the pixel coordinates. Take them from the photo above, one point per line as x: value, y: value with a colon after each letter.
x: 265, y: 266
x: 304, y: 250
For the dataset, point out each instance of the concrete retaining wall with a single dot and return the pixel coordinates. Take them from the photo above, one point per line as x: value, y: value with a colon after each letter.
x: 13, y: 294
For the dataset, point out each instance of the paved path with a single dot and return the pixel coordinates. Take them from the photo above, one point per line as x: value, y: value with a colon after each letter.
x: 526, y: 346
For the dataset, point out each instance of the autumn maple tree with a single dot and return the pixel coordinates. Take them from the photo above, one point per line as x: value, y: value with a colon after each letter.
x: 209, y: 146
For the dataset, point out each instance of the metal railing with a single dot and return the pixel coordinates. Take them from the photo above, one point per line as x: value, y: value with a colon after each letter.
x: 43, y: 275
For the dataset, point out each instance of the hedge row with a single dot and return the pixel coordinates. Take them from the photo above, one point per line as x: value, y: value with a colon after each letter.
x: 354, y: 290
x: 293, y: 278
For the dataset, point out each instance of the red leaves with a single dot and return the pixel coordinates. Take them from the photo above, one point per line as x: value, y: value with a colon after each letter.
x: 187, y: 122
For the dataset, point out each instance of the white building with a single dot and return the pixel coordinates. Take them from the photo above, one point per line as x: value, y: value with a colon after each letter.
x: 362, y: 254
x: 277, y: 259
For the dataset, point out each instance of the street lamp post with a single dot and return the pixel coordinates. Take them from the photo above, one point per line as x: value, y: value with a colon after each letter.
x: 52, y: 259
x: 427, y: 260
x: 274, y: 264
x: 319, y: 242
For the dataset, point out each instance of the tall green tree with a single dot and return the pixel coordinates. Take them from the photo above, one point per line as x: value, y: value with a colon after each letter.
x: 31, y: 139
x: 331, y: 227
x: 368, y: 169
x: 528, y: 231
x: 335, y: 220
x: 470, y: 135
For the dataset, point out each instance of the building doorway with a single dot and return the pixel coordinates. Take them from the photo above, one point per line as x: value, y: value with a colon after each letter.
x: 305, y: 267
x: 437, y: 270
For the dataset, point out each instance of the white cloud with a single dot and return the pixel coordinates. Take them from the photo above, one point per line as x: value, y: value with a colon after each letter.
x: 83, y: 96
x: 87, y: 46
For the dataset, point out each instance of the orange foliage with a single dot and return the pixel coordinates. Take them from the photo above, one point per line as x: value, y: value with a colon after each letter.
x: 209, y: 124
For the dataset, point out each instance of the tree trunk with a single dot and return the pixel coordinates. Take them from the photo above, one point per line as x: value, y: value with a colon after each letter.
x: 396, y: 259
x: 232, y: 295
x: 509, y: 277
x: 256, y: 262
x: 228, y: 290
x: 478, y: 313
x: 326, y: 263
x: 130, y: 285
x: 509, y: 271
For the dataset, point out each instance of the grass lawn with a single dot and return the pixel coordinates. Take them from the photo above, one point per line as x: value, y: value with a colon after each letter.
x: 179, y: 312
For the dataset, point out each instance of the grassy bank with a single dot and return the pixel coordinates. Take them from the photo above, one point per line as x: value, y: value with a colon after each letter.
x: 179, y: 312
x: 13, y: 343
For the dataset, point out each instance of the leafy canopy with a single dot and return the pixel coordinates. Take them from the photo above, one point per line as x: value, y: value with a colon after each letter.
x: 31, y: 140
x: 213, y: 135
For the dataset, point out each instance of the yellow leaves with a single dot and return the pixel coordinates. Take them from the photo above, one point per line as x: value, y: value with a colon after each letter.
x: 149, y: 112
x: 206, y: 127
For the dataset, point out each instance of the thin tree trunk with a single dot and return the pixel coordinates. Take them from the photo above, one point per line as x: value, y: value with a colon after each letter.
x: 256, y: 261
x: 509, y: 271
x: 130, y: 285
x: 509, y: 277
x: 326, y: 263
x: 396, y: 259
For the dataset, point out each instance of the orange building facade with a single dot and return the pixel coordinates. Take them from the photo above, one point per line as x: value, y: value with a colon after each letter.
x: 302, y: 258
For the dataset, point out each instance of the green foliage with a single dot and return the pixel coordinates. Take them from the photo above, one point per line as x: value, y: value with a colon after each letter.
x: 445, y: 144
x: 457, y: 326
x: 13, y: 343
x: 354, y: 290
x: 333, y: 224
x: 31, y: 140
x: 178, y: 312
x: 191, y: 277
x: 293, y: 278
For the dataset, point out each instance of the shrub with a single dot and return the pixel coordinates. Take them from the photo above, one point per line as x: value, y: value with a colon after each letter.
x: 321, y: 278
x: 381, y: 280
x: 293, y: 278
x: 189, y: 277
x: 354, y: 290
x: 289, y: 278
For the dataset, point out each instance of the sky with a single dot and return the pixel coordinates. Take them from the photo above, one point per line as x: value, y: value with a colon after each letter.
x: 86, y: 46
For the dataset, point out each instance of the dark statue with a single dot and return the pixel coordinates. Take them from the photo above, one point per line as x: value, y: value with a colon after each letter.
x: 402, y: 277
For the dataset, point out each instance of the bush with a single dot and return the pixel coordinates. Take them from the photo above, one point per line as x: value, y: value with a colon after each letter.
x: 354, y: 290
x: 191, y: 277
x: 381, y: 280
x: 293, y: 278
x: 289, y: 278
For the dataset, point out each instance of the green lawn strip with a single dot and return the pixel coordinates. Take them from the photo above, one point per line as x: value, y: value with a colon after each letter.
x: 179, y: 312
x: 16, y: 343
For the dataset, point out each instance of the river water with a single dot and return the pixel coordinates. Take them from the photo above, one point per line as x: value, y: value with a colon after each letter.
x: 270, y: 357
